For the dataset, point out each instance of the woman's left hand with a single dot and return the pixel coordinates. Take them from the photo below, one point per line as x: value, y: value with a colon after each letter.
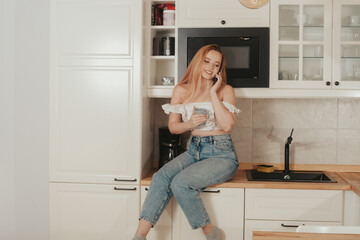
x: 217, y: 85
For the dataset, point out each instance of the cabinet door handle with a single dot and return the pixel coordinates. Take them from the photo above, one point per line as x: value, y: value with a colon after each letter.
x: 288, y: 225
x: 124, y: 180
x: 328, y: 83
x: 223, y: 22
x: 211, y: 191
x: 337, y: 83
x: 128, y: 189
x: 146, y: 189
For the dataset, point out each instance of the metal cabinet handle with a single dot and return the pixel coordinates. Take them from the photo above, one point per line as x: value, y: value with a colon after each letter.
x: 146, y: 189
x: 288, y: 225
x: 124, y: 180
x: 328, y: 83
x: 212, y: 191
x: 128, y: 189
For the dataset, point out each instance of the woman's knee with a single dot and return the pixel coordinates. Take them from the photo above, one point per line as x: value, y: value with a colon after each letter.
x: 176, y: 185
x: 181, y: 183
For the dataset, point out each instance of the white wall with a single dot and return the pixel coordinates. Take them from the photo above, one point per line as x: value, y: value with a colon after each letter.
x: 24, y: 74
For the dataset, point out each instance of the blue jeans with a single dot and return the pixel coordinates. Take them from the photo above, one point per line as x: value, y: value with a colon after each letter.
x: 209, y: 160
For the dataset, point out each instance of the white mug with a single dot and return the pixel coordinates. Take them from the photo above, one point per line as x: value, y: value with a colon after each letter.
x: 354, y: 20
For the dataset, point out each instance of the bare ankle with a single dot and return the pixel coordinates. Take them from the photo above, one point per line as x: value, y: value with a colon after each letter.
x: 208, y: 228
x: 143, y: 228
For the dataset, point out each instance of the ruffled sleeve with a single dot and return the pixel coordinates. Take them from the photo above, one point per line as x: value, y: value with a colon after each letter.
x: 231, y: 108
x: 177, y: 108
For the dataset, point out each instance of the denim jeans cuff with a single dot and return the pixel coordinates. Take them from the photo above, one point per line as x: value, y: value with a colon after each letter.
x: 201, y: 225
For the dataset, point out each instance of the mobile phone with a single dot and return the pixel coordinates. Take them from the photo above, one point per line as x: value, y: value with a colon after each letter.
x: 214, y: 80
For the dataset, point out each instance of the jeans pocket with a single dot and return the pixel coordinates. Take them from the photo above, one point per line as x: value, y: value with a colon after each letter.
x: 224, y: 145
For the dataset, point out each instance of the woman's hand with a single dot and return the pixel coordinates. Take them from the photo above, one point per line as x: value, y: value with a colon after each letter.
x: 217, y: 85
x: 197, y: 119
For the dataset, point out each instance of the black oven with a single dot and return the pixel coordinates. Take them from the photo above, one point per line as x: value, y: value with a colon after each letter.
x: 246, y: 51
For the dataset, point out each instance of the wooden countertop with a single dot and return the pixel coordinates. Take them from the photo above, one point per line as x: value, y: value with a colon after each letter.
x: 240, y: 181
x: 268, y: 235
x: 353, y: 178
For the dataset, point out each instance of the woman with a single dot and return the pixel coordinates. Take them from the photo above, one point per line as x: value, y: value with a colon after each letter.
x: 210, y: 157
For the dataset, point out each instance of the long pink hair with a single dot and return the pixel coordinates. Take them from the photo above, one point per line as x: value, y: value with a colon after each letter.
x: 192, y: 76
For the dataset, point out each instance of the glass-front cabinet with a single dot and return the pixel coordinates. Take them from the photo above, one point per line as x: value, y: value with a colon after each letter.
x: 315, y: 44
x: 301, y: 33
x: 346, y: 51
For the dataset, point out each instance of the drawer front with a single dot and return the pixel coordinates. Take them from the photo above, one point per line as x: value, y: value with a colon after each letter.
x: 283, y: 226
x: 289, y: 204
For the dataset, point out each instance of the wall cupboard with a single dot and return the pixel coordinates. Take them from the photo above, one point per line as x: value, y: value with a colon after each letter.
x: 315, y: 44
x: 225, y: 13
x: 346, y: 47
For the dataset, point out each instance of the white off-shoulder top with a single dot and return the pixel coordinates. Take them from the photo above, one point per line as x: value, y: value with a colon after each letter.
x: 186, y: 111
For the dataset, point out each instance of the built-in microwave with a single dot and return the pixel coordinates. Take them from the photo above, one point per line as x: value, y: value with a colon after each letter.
x: 246, y: 51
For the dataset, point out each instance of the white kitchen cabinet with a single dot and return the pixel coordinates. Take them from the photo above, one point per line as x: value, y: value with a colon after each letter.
x: 280, y: 226
x: 95, y: 91
x: 93, y: 211
x: 346, y: 47
x: 284, y: 209
x: 98, y: 138
x: 225, y: 13
x: 351, y: 209
x: 299, y: 39
x: 225, y: 207
x: 316, y: 44
x: 163, y: 229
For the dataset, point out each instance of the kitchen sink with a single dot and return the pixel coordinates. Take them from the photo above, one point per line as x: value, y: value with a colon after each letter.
x: 292, y: 176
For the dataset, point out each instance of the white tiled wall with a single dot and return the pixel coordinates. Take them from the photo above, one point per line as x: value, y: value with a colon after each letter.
x: 327, y: 131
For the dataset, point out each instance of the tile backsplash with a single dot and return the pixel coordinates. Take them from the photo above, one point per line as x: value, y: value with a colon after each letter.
x: 326, y: 131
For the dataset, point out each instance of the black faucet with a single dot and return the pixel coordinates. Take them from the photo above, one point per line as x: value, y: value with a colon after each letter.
x: 287, y: 147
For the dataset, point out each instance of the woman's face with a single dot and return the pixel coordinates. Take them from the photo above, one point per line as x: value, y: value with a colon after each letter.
x: 211, y: 64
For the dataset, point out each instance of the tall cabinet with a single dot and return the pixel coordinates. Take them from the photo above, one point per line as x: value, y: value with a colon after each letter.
x: 96, y: 127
